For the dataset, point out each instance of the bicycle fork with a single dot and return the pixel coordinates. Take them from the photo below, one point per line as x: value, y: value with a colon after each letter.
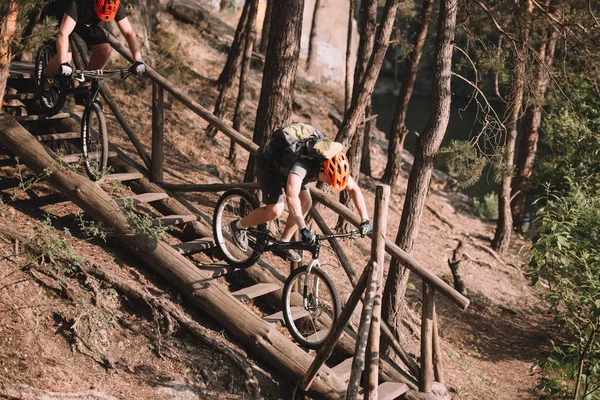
x: 310, y: 301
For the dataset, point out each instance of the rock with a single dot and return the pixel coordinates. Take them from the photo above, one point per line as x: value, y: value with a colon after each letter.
x: 189, y: 11
x: 209, y: 168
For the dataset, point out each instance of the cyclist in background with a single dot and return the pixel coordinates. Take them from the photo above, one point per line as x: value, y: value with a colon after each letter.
x: 278, y: 173
x: 84, y: 17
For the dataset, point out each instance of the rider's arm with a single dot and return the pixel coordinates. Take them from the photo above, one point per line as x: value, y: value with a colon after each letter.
x: 129, y: 35
x: 292, y: 189
x: 62, y: 38
x: 358, y: 198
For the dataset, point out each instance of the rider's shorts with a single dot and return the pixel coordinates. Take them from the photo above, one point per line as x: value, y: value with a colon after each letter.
x: 272, y: 182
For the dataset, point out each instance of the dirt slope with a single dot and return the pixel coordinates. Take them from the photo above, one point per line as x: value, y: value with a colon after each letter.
x: 488, y: 349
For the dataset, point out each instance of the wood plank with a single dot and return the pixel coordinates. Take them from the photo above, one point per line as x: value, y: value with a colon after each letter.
x: 59, y: 136
x: 391, y: 390
x: 195, y: 246
x: 175, y: 219
x: 216, y: 270
x: 343, y: 369
x: 142, y: 198
x: 297, y: 313
x: 318, y: 335
x: 22, y: 69
x: 28, y: 118
x: 71, y: 158
x: 120, y: 177
x: 254, y: 291
x: 19, y: 96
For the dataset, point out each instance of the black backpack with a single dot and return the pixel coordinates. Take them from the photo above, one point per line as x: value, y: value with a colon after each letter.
x: 295, y: 142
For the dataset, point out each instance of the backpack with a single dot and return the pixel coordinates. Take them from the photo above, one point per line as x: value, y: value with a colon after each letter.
x: 295, y: 142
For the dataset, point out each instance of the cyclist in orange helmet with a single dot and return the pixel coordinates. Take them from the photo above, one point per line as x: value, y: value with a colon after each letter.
x: 279, y: 175
x: 86, y: 17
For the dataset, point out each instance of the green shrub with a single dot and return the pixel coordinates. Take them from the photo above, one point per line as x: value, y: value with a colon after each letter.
x: 488, y: 206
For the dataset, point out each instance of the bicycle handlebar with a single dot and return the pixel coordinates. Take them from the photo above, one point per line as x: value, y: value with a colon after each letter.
x: 351, y: 235
x: 101, y: 74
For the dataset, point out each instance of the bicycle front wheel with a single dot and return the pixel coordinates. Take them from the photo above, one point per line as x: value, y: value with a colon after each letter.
x: 51, y: 94
x: 94, y: 141
x: 233, y: 205
x: 318, y: 306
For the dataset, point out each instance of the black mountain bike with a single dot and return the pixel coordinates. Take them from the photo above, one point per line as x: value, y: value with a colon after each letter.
x: 318, y: 307
x: 94, y: 136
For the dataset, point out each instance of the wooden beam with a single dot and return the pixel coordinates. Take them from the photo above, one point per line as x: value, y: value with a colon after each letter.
x: 158, y: 132
x: 426, y: 378
x: 382, y: 198
x: 438, y: 371
x: 210, y: 187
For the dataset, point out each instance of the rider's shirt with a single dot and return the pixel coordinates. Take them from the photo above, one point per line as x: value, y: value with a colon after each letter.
x: 82, y: 11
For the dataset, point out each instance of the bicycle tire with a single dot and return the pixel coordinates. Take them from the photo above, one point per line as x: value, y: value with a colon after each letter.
x: 235, y: 204
x: 54, y: 100
x: 94, y: 141
x: 312, y: 329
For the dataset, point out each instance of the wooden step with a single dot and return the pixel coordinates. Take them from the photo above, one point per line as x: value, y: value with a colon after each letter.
x: 216, y: 270
x: 142, y: 198
x: 318, y: 335
x: 391, y: 390
x: 59, y: 136
x: 343, y: 369
x: 20, y: 84
x: 19, y: 96
x: 121, y: 177
x: 21, y: 69
x: 174, y: 219
x: 195, y: 246
x: 71, y: 158
x: 28, y: 118
x: 297, y: 313
x: 254, y: 291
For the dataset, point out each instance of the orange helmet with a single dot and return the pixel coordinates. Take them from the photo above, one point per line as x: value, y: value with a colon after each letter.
x: 337, y: 171
x: 106, y: 9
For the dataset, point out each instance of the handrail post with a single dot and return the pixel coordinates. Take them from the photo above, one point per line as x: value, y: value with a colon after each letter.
x: 426, y: 378
x: 158, y: 131
x: 437, y: 351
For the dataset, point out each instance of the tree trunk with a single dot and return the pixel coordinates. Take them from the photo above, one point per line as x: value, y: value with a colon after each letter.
x: 227, y: 76
x: 529, y: 139
x: 8, y: 28
x: 310, y: 59
x: 266, y: 28
x: 420, y: 176
x: 279, y: 76
x: 357, y: 110
x: 347, y: 88
x: 504, y: 225
x: 365, y: 160
x: 245, y: 69
x: 399, y: 130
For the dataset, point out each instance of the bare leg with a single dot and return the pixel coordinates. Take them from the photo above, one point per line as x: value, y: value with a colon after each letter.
x: 99, y: 57
x: 263, y: 214
x: 291, y: 227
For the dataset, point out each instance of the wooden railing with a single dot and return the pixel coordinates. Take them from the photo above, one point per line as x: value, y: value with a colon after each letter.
x: 431, y: 366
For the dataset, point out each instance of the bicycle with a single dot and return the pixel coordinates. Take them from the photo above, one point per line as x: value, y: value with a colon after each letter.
x: 94, y: 136
x: 309, y: 324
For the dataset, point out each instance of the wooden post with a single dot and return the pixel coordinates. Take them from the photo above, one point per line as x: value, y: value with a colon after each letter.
x: 426, y: 378
x: 158, y: 132
x: 336, y: 332
x: 437, y: 351
x: 358, y: 362
x: 382, y: 196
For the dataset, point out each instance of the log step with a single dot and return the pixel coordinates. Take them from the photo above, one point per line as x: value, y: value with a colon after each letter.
x: 254, y: 291
x: 21, y: 69
x: 391, y: 390
x: 70, y: 158
x: 318, y: 335
x: 344, y: 369
x: 121, y: 177
x: 195, y: 246
x: 59, y: 136
x: 216, y: 269
x: 27, y: 118
x: 277, y: 318
x: 174, y: 219
x: 142, y: 198
x: 19, y: 96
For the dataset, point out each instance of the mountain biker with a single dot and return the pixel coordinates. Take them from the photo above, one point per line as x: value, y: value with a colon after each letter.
x: 278, y: 175
x: 84, y: 17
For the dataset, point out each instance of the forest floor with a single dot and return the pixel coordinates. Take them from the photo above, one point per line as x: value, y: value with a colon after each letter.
x: 63, y: 331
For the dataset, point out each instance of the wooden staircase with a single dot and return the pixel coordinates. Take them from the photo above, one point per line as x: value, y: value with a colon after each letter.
x: 23, y: 101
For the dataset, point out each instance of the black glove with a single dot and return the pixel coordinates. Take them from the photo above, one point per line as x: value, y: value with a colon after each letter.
x: 65, y: 69
x: 307, y: 236
x: 137, y: 68
x: 365, y: 227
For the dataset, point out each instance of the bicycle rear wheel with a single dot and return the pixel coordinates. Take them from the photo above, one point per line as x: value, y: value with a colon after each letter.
x: 52, y: 97
x: 94, y: 141
x: 311, y: 323
x: 233, y: 205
